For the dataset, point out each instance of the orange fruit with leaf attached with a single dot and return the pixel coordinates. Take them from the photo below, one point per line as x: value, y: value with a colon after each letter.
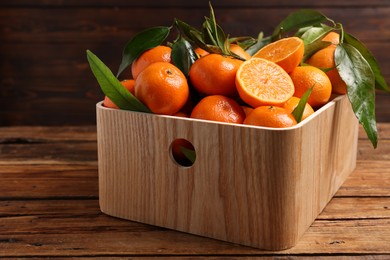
x: 157, y: 54
x: 215, y: 74
x: 162, y: 87
x: 261, y: 82
x: 270, y: 116
x: 286, y: 52
x: 324, y: 59
x: 332, y: 37
x: 128, y: 84
x: 292, y: 103
x: 219, y: 108
x: 305, y: 77
x: 238, y: 50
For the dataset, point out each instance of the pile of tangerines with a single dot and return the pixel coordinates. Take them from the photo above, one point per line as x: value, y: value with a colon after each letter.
x: 262, y: 89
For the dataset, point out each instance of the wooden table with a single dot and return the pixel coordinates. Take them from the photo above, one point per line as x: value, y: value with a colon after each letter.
x: 49, y: 206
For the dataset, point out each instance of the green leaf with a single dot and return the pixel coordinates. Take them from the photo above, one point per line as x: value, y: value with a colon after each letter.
x: 183, y: 55
x: 217, y: 32
x: 209, y: 37
x: 258, y: 45
x: 214, y: 37
x: 226, y: 47
x: 141, y: 42
x: 243, y: 40
x: 192, y: 34
x: 314, y: 34
x: 302, y: 30
x: 300, y: 108
x: 296, y: 20
x: 212, y: 17
x: 380, y: 82
x: 360, y: 79
x: 212, y: 49
x: 226, y: 42
x: 190, y: 154
x: 313, y: 47
x: 111, y: 86
x: 197, y: 37
x: 312, y: 38
x: 188, y: 30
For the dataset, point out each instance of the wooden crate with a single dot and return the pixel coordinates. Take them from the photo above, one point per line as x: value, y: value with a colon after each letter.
x: 254, y: 186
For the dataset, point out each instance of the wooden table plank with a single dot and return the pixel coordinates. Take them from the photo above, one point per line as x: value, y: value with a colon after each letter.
x: 59, y: 219
x: 60, y: 207
x: 22, y: 211
x: 38, y: 134
x: 383, y: 131
x: 370, y: 178
x: 338, y: 208
x: 103, y: 236
x: 356, y: 208
x: 82, y: 153
x: 48, y: 181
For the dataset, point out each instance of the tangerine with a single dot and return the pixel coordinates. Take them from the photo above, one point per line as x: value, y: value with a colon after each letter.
x: 157, y: 54
x: 238, y: 50
x: 200, y: 52
x: 324, y: 59
x: 247, y: 109
x: 305, y: 77
x: 292, y: 103
x: 286, y: 52
x: 270, y: 116
x: 262, y: 82
x: 162, y: 87
x: 180, y: 114
x: 219, y: 108
x: 215, y: 74
x: 332, y: 37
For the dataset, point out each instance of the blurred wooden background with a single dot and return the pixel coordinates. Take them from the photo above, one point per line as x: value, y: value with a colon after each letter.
x: 44, y: 75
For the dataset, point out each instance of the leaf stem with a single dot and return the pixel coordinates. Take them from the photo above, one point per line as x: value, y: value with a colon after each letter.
x: 340, y: 26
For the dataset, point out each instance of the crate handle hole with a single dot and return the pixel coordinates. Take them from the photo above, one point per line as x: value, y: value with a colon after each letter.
x: 182, y: 152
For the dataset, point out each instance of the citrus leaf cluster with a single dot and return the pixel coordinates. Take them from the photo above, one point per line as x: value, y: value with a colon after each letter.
x: 354, y: 62
x: 211, y: 37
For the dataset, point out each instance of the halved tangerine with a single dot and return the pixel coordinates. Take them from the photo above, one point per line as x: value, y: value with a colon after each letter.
x: 286, y: 52
x: 260, y: 82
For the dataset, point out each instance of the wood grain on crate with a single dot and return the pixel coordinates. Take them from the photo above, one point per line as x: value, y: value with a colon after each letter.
x: 51, y: 209
x: 44, y: 75
x: 252, y: 186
